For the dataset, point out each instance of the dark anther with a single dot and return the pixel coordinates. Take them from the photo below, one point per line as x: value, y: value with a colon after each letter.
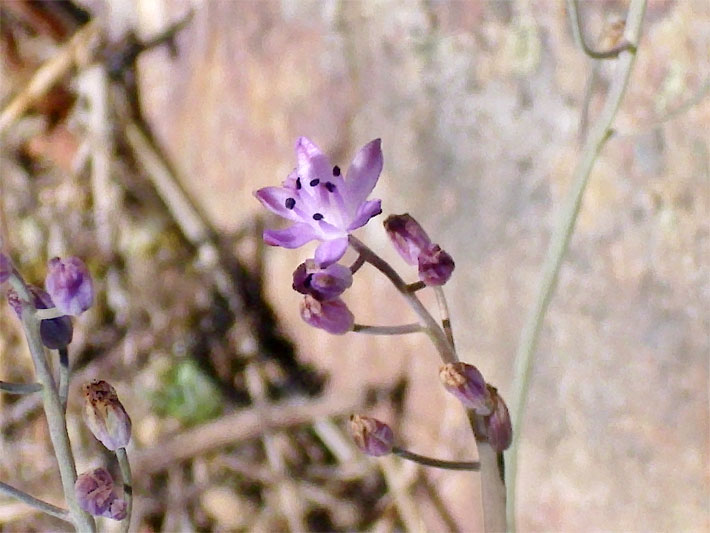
x: 290, y: 203
x: 317, y: 216
x: 314, y: 182
x: 336, y: 170
x: 330, y: 186
x: 298, y: 183
x: 307, y: 281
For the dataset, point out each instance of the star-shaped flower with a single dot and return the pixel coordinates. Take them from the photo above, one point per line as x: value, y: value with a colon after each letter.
x: 324, y: 205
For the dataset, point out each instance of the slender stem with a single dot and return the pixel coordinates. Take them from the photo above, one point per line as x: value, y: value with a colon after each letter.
x: 52, y: 407
x: 416, y: 286
x: 612, y: 53
x: 19, y: 388
x: 125, y: 467
x: 560, y: 241
x: 436, y: 463
x: 357, y: 264
x: 431, y: 328
x: 388, y: 330
x: 48, y: 314
x: 445, y: 316
x: 58, y: 512
x: 64, y: 374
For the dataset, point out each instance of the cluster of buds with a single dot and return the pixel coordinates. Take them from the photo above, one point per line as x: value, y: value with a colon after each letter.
x: 96, y: 495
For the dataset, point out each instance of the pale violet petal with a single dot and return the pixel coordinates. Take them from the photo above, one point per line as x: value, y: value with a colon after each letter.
x: 312, y: 162
x: 365, y: 212
x: 329, y: 252
x: 291, y: 237
x: 363, y: 173
x: 274, y: 199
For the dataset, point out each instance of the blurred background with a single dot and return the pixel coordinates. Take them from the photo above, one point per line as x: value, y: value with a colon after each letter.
x: 142, y: 151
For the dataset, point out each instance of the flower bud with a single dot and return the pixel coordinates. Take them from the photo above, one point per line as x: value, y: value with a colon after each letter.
x: 466, y: 383
x: 56, y: 333
x: 69, y: 284
x: 407, y: 236
x: 322, y: 283
x: 95, y: 494
x: 435, y: 266
x: 5, y: 268
x: 498, y: 425
x: 371, y: 436
x: 331, y: 315
x: 105, y: 415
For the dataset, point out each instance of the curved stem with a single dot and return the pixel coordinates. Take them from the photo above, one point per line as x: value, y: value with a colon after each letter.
x: 388, y: 330
x: 357, y: 264
x: 445, y: 316
x: 436, y: 463
x: 573, y: 6
x: 125, y: 467
x: 48, y: 314
x: 64, y: 377
x: 19, y: 388
x: 559, y: 243
x: 40, y: 505
x: 416, y: 286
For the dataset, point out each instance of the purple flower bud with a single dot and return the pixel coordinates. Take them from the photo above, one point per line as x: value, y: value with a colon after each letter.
x: 498, y: 425
x: 408, y: 237
x: 371, y: 436
x: 5, y: 268
x: 69, y: 284
x: 322, y: 283
x: 95, y: 494
x: 466, y: 383
x: 435, y: 266
x: 105, y: 415
x: 331, y: 315
x: 56, y: 333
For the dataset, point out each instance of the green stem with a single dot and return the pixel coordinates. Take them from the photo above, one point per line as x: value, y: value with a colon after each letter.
x: 40, y: 505
x: 388, y: 330
x: 559, y: 243
x: 64, y: 377
x: 125, y: 467
x: 436, y: 463
x: 19, y: 388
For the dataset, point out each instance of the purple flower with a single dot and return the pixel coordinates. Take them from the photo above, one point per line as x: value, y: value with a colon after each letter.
x: 69, y: 284
x: 95, y: 494
x: 466, y: 383
x: 435, y: 266
x: 371, y: 436
x: 56, y: 333
x: 105, y: 415
x: 331, y: 315
x: 323, y: 205
x: 407, y: 236
x: 5, y: 268
x: 499, y: 428
x: 322, y: 283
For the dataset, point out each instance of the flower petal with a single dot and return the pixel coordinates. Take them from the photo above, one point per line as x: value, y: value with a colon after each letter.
x: 365, y: 212
x: 312, y: 162
x: 274, y: 199
x: 363, y: 173
x: 329, y: 252
x: 291, y: 237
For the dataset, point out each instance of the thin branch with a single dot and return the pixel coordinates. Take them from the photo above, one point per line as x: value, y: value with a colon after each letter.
x: 388, y: 330
x: 445, y: 315
x: 64, y: 375
x: 416, y: 286
x: 436, y: 463
x: 19, y: 388
x: 559, y: 243
x: 125, y: 467
x: 48, y: 314
x: 612, y: 53
x: 40, y: 505
x: 357, y: 264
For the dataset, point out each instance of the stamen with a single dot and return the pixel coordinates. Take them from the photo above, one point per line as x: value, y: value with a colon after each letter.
x: 298, y: 182
x: 314, y: 182
x: 317, y: 216
x: 330, y: 186
x: 290, y: 203
x: 336, y: 170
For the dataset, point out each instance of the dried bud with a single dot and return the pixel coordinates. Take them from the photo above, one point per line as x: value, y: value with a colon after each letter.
x: 56, y: 333
x: 407, y: 236
x: 466, y: 383
x: 332, y: 315
x: 105, y: 415
x: 322, y: 283
x: 371, y: 436
x: 5, y: 268
x: 69, y: 284
x: 435, y: 266
x: 95, y: 495
x: 498, y: 425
